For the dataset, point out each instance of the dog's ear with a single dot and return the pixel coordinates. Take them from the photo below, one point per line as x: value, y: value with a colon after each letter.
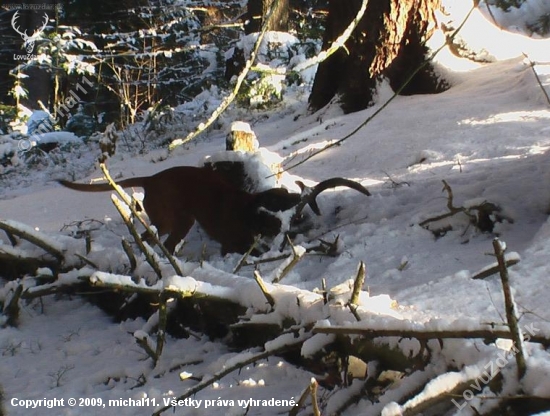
x: 276, y: 200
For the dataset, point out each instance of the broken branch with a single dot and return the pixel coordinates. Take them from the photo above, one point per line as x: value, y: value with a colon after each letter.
x: 511, y: 316
x: 153, y: 235
x: 132, y: 229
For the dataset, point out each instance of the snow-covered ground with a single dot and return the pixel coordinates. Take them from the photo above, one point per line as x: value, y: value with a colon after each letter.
x: 488, y: 137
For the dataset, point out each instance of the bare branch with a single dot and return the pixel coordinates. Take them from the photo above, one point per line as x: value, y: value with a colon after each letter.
x: 130, y: 253
x: 263, y: 288
x: 340, y: 42
x: 128, y: 202
x: 242, y: 261
x: 132, y: 229
x: 485, y: 333
x: 489, y: 271
x: 358, y: 284
x: 532, y: 65
x: 297, y: 254
x: 313, y: 391
x: 511, y: 315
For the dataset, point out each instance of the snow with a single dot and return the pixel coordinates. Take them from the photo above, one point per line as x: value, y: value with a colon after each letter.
x: 119, y: 280
x: 39, y: 129
x: 56, y: 137
x: 496, y: 43
x: 36, y: 119
x: 488, y: 137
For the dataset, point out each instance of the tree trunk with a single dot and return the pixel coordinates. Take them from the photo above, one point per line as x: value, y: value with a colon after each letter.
x: 254, y: 19
x: 388, y: 42
x: 257, y: 10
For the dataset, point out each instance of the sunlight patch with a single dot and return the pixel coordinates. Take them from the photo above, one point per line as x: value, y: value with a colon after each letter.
x: 514, y: 116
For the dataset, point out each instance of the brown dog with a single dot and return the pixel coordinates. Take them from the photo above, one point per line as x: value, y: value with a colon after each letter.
x: 177, y: 197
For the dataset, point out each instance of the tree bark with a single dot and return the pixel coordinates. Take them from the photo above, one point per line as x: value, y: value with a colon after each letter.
x: 253, y: 21
x: 388, y: 42
x: 258, y: 9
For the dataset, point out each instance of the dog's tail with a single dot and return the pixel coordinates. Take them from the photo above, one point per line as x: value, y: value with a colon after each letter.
x: 101, y: 187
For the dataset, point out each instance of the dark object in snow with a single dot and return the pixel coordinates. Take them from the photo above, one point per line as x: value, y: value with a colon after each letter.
x: 47, y: 146
x: 235, y: 64
x: 177, y: 197
x: 482, y: 215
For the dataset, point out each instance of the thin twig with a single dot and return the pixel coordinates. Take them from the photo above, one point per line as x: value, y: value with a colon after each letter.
x: 511, y: 316
x: 243, y: 259
x: 450, y: 206
x: 340, y: 42
x: 11, y: 238
x: 268, y: 260
x: 163, y: 320
x: 344, y: 224
x: 87, y: 261
x: 144, y: 343
x: 130, y: 253
x: 493, y: 18
x: 532, y: 65
x: 353, y: 309
x: 11, y: 308
x: 394, y: 183
x: 486, y: 272
x: 300, y: 403
x: 450, y: 197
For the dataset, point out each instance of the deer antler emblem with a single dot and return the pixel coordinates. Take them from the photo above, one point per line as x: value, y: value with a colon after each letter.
x: 29, y: 40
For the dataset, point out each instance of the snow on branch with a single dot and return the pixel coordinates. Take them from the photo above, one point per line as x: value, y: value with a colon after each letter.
x: 453, y: 330
x: 39, y: 239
